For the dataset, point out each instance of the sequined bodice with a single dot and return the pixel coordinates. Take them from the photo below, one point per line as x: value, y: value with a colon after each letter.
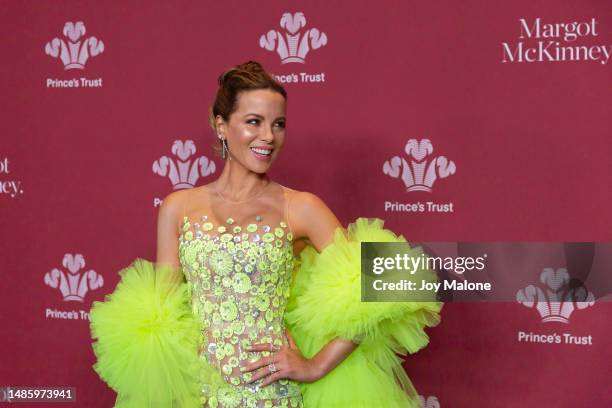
x: 239, y: 280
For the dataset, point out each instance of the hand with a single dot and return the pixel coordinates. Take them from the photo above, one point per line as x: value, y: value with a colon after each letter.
x: 288, y: 362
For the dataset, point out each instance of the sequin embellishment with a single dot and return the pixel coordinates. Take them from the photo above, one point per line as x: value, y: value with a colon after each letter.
x: 239, y: 280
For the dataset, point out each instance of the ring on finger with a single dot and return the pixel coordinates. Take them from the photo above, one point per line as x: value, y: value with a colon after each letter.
x: 272, y: 368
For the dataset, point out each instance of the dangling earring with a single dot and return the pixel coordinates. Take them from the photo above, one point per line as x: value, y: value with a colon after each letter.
x: 225, y: 151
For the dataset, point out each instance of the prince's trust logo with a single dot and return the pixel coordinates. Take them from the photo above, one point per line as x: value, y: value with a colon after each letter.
x: 73, y: 51
x: 293, y: 44
x: 419, y: 170
x: 184, y: 170
x: 422, y: 170
x: 73, y: 283
x: 552, y: 302
x: 555, y: 302
x: 429, y: 402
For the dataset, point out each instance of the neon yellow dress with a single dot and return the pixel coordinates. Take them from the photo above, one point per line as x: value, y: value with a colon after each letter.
x: 182, y: 346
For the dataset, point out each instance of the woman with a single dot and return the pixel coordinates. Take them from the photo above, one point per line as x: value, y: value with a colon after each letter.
x: 270, y: 329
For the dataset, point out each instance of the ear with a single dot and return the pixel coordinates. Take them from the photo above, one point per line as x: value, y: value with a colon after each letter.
x: 220, y: 125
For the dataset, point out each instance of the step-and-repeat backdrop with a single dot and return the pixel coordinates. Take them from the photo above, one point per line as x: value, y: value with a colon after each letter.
x: 452, y: 121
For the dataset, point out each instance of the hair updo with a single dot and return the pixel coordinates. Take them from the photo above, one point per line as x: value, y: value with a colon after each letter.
x: 244, y: 77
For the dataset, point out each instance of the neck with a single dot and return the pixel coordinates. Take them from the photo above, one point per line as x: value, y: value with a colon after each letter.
x: 238, y: 183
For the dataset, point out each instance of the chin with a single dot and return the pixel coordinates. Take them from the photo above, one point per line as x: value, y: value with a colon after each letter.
x: 261, y: 169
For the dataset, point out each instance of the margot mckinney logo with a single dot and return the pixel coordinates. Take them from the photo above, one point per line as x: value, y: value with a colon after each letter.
x: 555, y: 43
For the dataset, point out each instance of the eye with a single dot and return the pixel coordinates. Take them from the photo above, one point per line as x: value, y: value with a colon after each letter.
x: 281, y: 124
x: 253, y: 121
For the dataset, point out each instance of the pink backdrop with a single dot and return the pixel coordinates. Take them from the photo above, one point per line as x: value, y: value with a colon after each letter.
x: 509, y: 130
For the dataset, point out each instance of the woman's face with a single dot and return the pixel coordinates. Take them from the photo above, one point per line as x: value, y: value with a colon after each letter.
x: 255, y: 131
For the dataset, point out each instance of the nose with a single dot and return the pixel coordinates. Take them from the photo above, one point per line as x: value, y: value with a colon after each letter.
x: 267, y: 135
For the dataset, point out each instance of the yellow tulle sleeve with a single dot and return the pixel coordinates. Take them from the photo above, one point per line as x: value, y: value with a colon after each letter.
x: 147, y: 340
x: 325, y: 303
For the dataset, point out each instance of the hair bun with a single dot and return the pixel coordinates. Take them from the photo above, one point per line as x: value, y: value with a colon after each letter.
x: 249, y: 67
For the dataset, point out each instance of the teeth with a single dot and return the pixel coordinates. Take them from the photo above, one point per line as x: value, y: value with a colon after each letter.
x: 262, y: 151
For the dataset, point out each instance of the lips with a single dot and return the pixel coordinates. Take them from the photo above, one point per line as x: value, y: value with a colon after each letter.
x: 262, y: 150
x: 262, y: 153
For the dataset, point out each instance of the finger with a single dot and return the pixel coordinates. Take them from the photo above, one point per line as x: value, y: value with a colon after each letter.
x: 262, y: 347
x: 257, y: 364
x: 263, y: 372
x: 257, y: 347
x: 273, y: 377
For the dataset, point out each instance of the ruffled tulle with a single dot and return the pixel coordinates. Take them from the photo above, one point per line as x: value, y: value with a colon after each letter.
x: 147, y: 340
x: 325, y: 303
x: 148, y: 336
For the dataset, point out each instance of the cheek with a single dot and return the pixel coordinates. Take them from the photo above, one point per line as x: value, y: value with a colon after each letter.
x: 245, y: 133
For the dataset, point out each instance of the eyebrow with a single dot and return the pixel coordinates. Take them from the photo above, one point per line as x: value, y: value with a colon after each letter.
x: 261, y: 117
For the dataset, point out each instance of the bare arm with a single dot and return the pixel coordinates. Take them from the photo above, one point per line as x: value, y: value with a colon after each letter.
x: 311, y: 219
x: 318, y: 223
x: 167, y: 233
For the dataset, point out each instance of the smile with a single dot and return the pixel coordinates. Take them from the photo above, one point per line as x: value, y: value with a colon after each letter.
x: 261, y: 153
x: 265, y: 152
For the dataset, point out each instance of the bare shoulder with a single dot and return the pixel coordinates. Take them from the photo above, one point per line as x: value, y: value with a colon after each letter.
x: 307, y: 204
x: 173, y: 208
x: 178, y: 202
x: 174, y: 202
x: 312, y: 218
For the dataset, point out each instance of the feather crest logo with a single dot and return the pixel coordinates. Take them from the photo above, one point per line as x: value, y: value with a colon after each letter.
x: 555, y: 302
x: 419, y: 171
x: 75, y: 283
x: 183, y: 171
x: 429, y: 402
x: 74, y: 51
x: 293, y: 45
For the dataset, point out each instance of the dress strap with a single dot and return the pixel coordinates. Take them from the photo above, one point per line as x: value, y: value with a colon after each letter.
x: 182, y: 217
x: 287, y: 198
